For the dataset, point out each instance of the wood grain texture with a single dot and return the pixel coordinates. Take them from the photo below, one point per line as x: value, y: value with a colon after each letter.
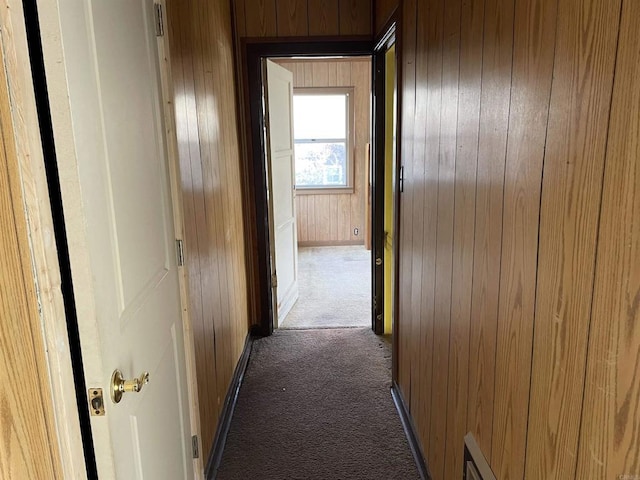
x: 292, y: 18
x: 444, y: 233
x: 301, y: 18
x: 586, y: 39
x: 414, y: 183
x: 494, y: 117
x: 382, y: 11
x: 609, y: 440
x: 260, y: 17
x: 468, y: 127
x: 332, y: 218
x: 29, y: 446
x: 530, y: 92
x: 355, y: 17
x: 205, y: 107
x: 432, y: 29
x: 324, y: 17
x: 407, y: 97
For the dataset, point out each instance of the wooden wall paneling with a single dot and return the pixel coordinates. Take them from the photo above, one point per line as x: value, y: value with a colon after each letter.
x: 609, y: 440
x: 324, y: 19
x: 586, y: 39
x: 494, y: 117
x: 415, y: 184
x: 240, y: 17
x: 292, y: 18
x: 468, y: 129
x: 333, y: 214
x: 29, y: 446
x: 320, y: 74
x: 383, y: 9
x: 202, y: 66
x: 216, y: 305
x: 355, y: 17
x: 444, y: 234
x: 361, y: 76
x: 260, y: 18
x: 308, y: 75
x: 434, y: 23
x: 534, y: 42
x: 344, y: 217
x: 227, y: 151
x: 193, y: 204
x: 406, y: 94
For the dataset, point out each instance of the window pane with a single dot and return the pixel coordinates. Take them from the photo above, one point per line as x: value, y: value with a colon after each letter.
x: 319, y: 116
x: 321, y: 164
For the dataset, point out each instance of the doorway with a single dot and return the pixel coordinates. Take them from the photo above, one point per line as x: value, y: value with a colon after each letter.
x: 331, y: 120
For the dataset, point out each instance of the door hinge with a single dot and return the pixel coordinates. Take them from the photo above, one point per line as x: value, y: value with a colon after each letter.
x: 159, y: 20
x: 402, y: 179
x: 274, y: 280
x: 194, y: 447
x: 180, y: 252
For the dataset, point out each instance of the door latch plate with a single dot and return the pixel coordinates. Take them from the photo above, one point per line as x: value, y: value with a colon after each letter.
x: 96, y: 402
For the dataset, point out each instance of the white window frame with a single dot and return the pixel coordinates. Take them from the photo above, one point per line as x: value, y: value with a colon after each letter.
x: 350, y: 143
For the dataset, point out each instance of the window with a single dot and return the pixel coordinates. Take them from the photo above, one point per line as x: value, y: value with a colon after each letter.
x: 321, y: 125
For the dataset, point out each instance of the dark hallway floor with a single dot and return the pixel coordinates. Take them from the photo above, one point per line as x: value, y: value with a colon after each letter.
x: 316, y: 404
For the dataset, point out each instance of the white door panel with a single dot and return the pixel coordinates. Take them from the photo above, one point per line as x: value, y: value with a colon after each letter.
x: 281, y: 171
x: 122, y: 245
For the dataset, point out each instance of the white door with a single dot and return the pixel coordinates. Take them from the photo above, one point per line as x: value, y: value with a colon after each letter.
x: 281, y: 173
x: 118, y: 215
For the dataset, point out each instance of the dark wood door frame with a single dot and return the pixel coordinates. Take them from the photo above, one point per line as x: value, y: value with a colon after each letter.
x: 391, y: 35
x: 253, y: 53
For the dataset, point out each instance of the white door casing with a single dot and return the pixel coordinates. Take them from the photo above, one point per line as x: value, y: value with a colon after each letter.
x: 281, y: 181
x: 118, y: 215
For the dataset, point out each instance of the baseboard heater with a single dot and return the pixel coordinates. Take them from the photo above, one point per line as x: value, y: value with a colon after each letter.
x: 476, y: 466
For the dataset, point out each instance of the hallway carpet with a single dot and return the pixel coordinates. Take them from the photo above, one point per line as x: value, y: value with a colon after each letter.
x: 335, y: 288
x: 316, y: 404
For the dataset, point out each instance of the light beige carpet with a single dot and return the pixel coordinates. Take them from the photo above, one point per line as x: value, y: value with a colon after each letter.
x: 335, y: 288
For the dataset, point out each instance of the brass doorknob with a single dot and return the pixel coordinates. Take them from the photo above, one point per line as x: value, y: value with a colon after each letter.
x: 119, y: 385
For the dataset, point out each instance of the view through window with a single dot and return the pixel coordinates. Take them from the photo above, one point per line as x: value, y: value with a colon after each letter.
x: 321, y: 135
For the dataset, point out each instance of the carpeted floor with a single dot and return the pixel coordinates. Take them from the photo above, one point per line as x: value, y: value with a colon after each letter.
x: 316, y: 404
x: 335, y: 288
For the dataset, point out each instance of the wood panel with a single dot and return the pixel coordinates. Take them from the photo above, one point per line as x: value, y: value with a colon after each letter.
x: 206, y: 127
x: 432, y: 24
x: 468, y: 127
x: 260, y: 17
x: 444, y: 232
x: 573, y: 166
x: 292, y: 18
x: 330, y: 219
x: 499, y: 222
x: 407, y: 108
x: 323, y: 17
x: 29, y: 447
x: 355, y: 17
x: 383, y: 9
x: 533, y: 53
x: 494, y: 116
x: 609, y: 440
x: 301, y: 18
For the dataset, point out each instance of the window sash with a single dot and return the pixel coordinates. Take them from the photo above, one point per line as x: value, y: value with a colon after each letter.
x: 347, y: 141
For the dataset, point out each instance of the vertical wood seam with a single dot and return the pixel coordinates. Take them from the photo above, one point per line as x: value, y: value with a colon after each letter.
x: 535, y: 295
x: 455, y: 170
x: 475, y: 215
x: 598, y: 232
x: 504, y: 175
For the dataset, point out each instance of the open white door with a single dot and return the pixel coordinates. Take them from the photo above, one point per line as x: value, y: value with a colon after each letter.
x: 108, y: 128
x: 281, y: 178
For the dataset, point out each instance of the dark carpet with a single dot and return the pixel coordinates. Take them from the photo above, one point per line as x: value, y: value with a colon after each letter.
x: 316, y: 404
